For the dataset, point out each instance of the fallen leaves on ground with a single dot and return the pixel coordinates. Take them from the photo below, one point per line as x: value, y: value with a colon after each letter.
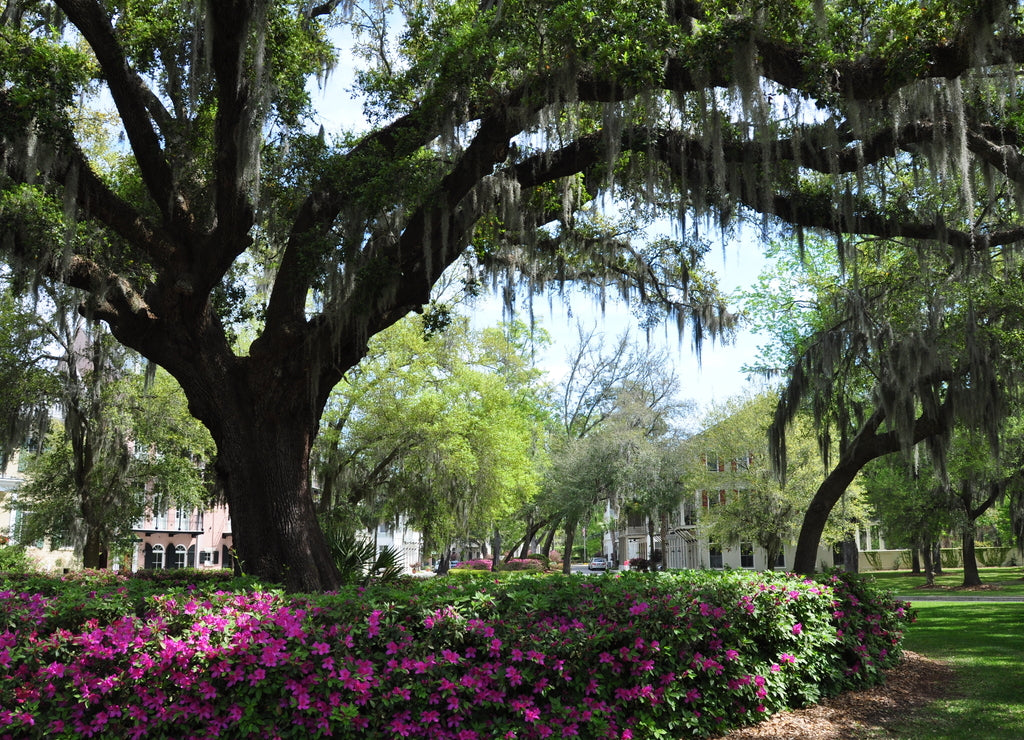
x: 856, y: 715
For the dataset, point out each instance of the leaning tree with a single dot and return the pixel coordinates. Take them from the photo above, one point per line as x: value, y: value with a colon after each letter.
x: 540, y: 136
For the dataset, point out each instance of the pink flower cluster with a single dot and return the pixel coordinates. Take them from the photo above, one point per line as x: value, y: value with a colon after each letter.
x: 526, y: 657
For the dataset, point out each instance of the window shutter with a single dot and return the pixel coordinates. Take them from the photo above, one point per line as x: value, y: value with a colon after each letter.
x: 191, y: 556
x: 147, y: 558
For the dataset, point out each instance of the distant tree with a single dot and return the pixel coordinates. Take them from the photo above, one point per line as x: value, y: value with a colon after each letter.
x: 126, y: 444
x: 616, y: 441
x: 910, y: 503
x: 759, y: 506
x: 443, y: 426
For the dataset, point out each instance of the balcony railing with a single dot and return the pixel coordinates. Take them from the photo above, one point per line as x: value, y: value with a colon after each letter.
x: 193, y: 523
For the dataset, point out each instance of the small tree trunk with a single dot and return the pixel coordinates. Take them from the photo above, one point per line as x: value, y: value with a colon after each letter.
x: 650, y: 543
x: 915, y: 561
x: 570, y: 537
x: 664, y: 541
x: 929, y: 566
x: 771, y: 555
x: 94, y: 552
x: 548, y: 540
x: 971, y: 575
x: 937, y: 558
x: 496, y: 542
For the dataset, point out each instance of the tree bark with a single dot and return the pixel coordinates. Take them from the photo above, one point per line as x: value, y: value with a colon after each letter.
x: 545, y: 549
x: 664, y: 541
x: 915, y: 561
x: 94, y: 552
x: 929, y: 566
x: 263, y: 413
x: 971, y: 575
x: 570, y: 538
x: 865, y: 447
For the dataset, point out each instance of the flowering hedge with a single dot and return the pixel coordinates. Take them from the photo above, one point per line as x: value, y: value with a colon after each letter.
x: 520, y: 656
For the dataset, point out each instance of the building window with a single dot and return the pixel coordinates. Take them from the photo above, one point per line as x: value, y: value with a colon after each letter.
x: 712, y: 498
x: 715, y: 465
x: 19, y: 517
x: 180, y: 556
x: 780, y: 561
x: 746, y: 555
x: 160, y: 519
x: 156, y: 559
x: 715, y: 557
x: 689, y: 513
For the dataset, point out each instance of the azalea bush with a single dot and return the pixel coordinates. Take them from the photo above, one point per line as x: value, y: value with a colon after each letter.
x: 512, y: 655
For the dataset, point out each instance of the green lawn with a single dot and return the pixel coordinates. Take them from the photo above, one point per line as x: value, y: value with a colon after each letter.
x: 1000, y: 581
x: 984, y: 643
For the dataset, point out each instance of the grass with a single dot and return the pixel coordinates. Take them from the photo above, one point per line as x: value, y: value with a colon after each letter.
x: 998, y: 581
x: 984, y: 644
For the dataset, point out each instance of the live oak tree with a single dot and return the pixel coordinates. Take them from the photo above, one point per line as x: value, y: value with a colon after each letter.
x: 497, y: 126
x: 898, y: 348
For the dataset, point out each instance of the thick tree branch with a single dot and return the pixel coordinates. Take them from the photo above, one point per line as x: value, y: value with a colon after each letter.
x: 866, y: 446
x: 132, y: 99
x: 236, y: 136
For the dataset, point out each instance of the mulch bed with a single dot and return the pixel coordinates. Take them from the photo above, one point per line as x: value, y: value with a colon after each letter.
x: 908, y: 687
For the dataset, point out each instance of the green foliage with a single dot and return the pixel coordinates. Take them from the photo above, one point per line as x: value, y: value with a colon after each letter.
x: 98, y: 487
x: 443, y: 427
x: 360, y: 562
x: 12, y: 556
x: 759, y: 507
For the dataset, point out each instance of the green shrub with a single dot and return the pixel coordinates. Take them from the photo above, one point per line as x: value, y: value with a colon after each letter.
x: 641, y: 655
x: 12, y: 557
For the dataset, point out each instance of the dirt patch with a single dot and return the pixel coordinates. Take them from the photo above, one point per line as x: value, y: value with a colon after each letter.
x: 860, y: 715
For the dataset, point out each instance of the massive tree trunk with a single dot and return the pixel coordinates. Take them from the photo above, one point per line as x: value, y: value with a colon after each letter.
x: 263, y: 451
x: 865, y: 447
x: 94, y: 552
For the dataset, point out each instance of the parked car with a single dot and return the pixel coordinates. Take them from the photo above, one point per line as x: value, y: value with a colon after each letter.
x: 598, y: 564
